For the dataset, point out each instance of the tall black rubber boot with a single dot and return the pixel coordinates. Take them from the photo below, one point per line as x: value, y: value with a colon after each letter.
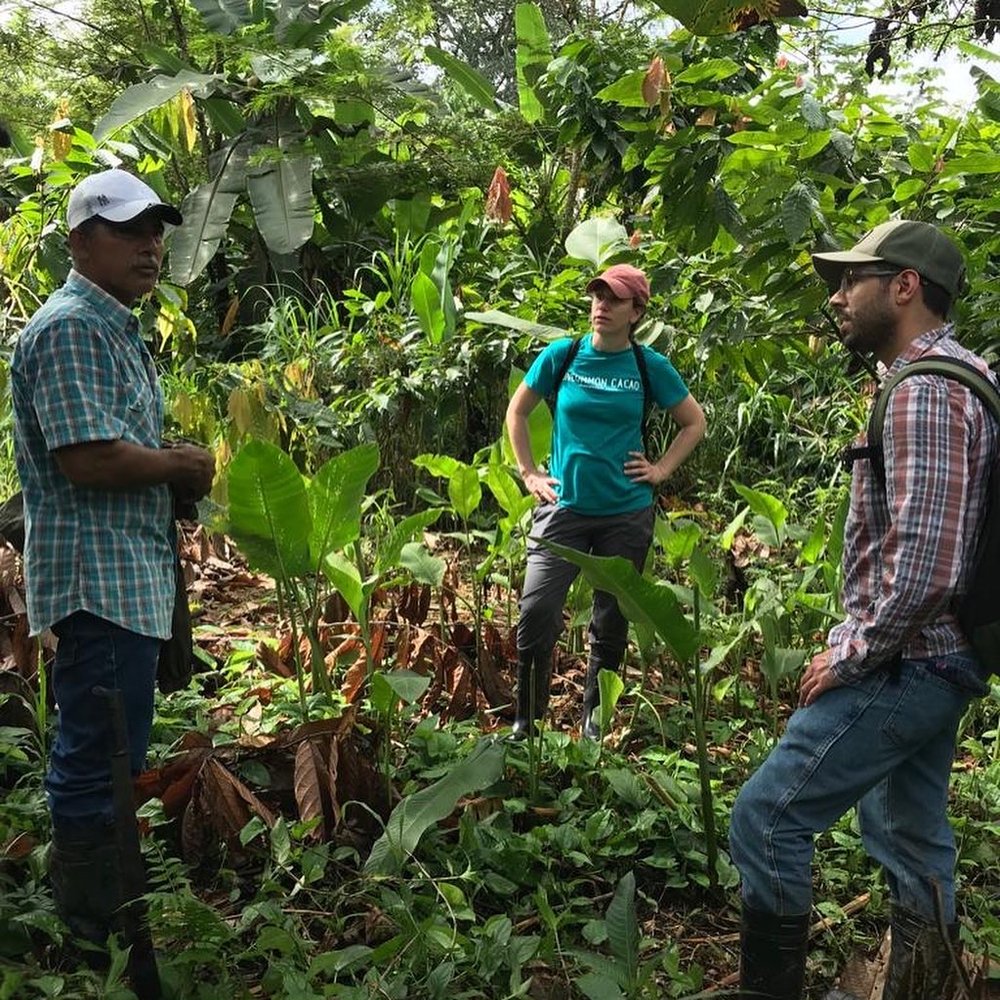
x: 590, y: 727
x: 921, y: 966
x: 86, y: 886
x: 532, y: 676
x: 772, y: 955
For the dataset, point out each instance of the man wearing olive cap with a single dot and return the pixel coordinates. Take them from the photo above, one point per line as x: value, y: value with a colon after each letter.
x: 879, y: 707
x: 597, y: 496
x: 99, y: 534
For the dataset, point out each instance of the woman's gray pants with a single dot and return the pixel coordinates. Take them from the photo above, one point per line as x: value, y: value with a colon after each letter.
x: 548, y: 579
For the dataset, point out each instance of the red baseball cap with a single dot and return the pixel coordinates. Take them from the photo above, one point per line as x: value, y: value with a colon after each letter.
x: 625, y: 282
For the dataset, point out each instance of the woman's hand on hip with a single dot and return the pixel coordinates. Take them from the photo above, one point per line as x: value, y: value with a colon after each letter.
x: 540, y: 486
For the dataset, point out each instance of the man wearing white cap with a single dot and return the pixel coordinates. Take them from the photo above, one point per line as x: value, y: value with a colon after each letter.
x: 98, y: 491
x: 597, y: 495
x: 879, y: 707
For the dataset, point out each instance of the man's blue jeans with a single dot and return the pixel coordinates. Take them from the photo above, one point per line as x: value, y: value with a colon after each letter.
x: 95, y: 652
x: 884, y: 744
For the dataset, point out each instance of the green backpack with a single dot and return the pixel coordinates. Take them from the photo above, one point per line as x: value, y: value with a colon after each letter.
x: 979, y: 612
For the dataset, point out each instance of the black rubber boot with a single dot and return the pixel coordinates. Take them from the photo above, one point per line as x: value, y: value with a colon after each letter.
x: 591, y: 699
x: 921, y: 966
x: 532, y: 673
x: 86, y: 885
x: 772, y: 955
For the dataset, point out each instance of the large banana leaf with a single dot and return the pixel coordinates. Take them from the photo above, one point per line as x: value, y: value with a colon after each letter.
x: 142, y: 97
x: 269, y: 511
x: 534, y: 52
x: 281, y: 195
x: 470, y: 80
x: 640, y: 599
x: 207, y: 210
x: 496, y: 317
x: 418, y: 812
x: 335, y: 496
x: 224, y: 16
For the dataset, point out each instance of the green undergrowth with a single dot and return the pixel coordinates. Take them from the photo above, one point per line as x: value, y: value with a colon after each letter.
x: 563, y: 868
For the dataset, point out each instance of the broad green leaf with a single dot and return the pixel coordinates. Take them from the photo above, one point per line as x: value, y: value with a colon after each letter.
x: 623, y: 929
x: 419, y: 811
x: 443, y: 466
x: 627, y: 91
x: 470, y: 80
x: 797, y: 209
x: 534, y: 51
x: 539, y: 426
x: 495, y: 317
x: 728, y: 215
x: 269, y: 511
x: 142, y: 97
x: 207, y: 210
x: 224, y: 115
x: 421, y: 565
x: 766, y: 506
x: 382, y: 697
x: 426, y: 301
x: 708, y: 70
x: 610, y: 686
x: 346, y: 580
x: 282, y: 67
x: 815, y: 143
x: 678, y: 538
x: 407, y: 685
x: 704, y: 572
x: 596, y: 239
x: 595, y: 986
x: 727, y: 536
x: 973, y: 163
x: 921, y: 157
x: 281, y: 194
x: 639, y: 598
x: 405, y: 531
x: 504, y: 488
x: 223, y: 16
x: 908, y: 190
x: 335, y: 495
x: 812, y: 112
x: 464, y: 491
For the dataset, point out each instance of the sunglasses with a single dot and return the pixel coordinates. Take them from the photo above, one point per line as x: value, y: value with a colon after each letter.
x: 852, y: 275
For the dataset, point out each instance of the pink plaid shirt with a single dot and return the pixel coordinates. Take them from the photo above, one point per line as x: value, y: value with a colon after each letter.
x: 908, y: 548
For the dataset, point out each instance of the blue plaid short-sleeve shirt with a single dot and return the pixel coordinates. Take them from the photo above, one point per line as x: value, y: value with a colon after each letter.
x: 80, y: 372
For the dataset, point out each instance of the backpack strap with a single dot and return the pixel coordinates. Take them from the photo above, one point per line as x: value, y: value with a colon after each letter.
x: 647, y: 394
x: 959, y: 371
x: 567, y: 361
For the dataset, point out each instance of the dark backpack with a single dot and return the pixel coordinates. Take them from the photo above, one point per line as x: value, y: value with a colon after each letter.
x: 640, y: 363
x: 979, y: 612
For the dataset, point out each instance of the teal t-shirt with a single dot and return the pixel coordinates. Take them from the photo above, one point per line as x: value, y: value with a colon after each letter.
x: 598, y: 421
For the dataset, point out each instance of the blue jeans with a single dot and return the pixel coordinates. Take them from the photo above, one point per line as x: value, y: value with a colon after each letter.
x: 884, y: 744
x: 95, y: 652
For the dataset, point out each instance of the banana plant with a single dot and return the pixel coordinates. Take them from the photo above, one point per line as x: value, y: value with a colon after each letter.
x: 295, y: 528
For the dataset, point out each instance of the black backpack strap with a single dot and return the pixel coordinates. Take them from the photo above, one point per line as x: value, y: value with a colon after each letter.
x: 959, y: 371
x: 567, y: 361
x: 647, y: 394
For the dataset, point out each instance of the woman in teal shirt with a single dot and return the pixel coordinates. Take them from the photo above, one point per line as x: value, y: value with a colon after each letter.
x: 598, y: 494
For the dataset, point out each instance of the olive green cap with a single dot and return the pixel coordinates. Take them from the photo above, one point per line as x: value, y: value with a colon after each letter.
x: 918, y: 246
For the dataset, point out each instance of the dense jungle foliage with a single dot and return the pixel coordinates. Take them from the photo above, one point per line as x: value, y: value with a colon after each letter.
x: 388, y: 209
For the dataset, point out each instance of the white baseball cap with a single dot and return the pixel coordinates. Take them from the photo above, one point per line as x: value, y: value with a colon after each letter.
x: 118, y: 196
